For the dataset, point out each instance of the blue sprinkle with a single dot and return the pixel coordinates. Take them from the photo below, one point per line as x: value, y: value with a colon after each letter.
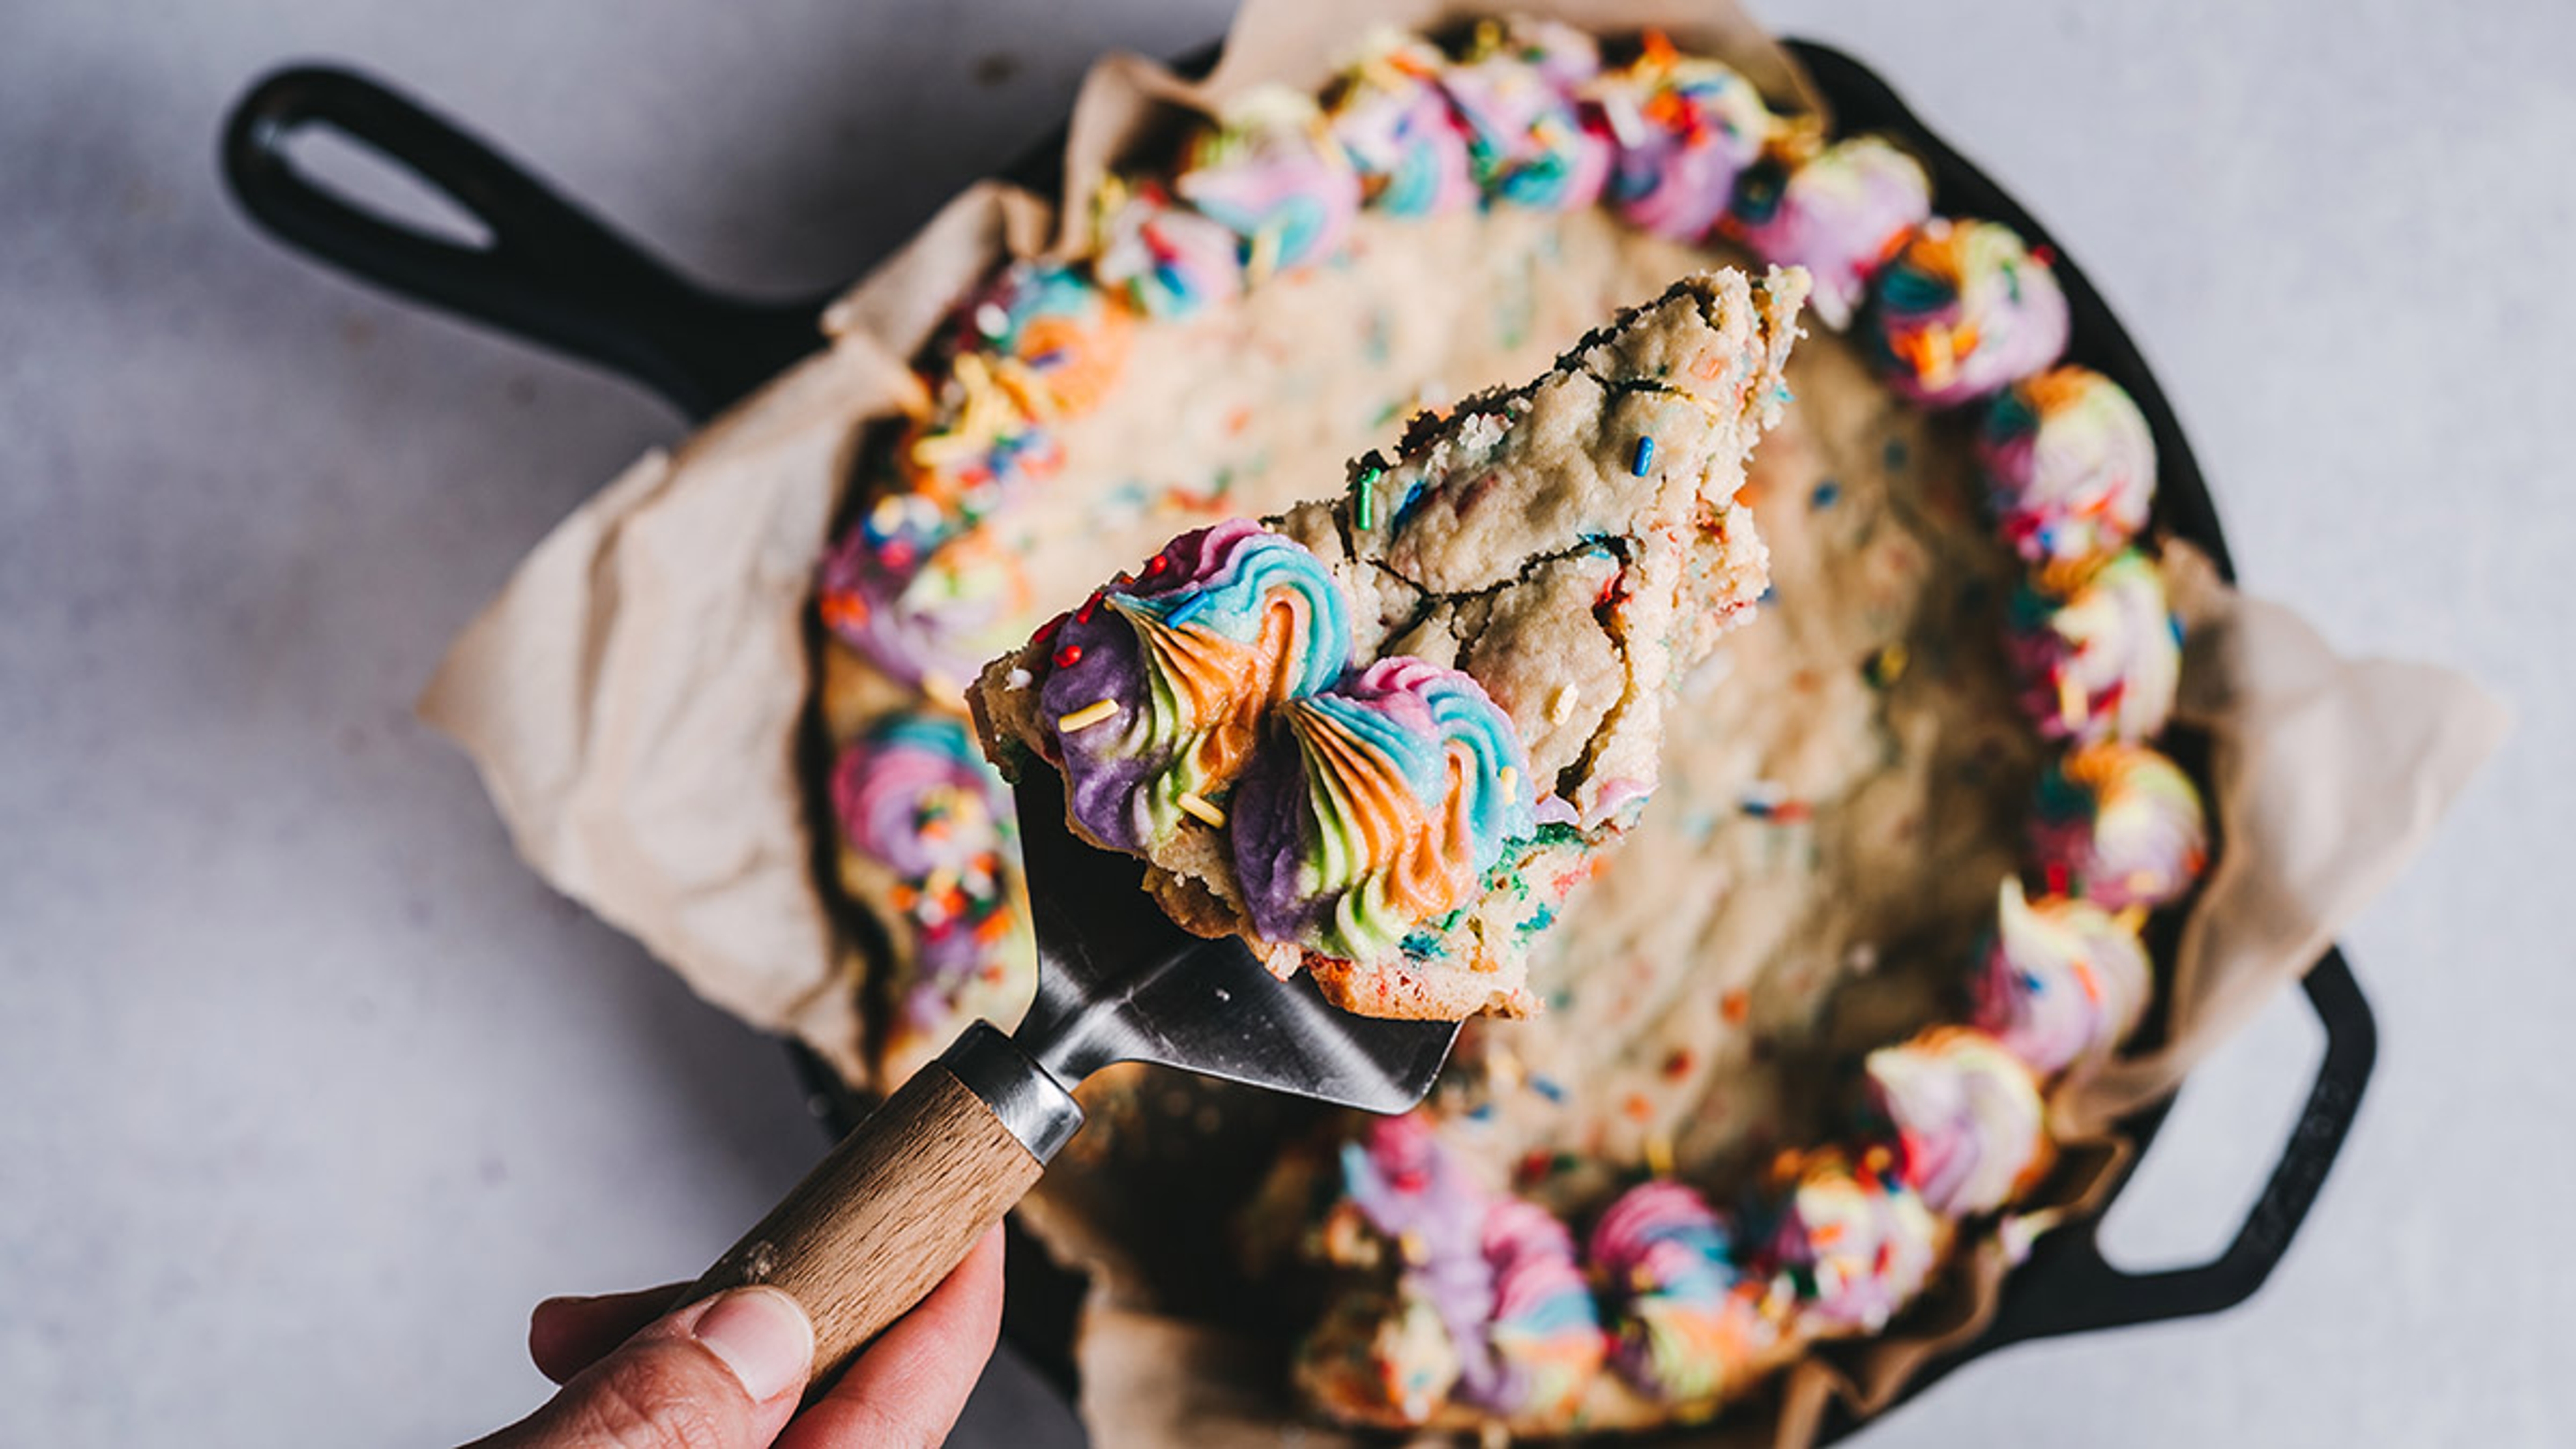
x: 1827, y: 494
x: 1645, y: 458
x: 1895, y: 455
x: 1547, y: 1087
x: 1770, y: 595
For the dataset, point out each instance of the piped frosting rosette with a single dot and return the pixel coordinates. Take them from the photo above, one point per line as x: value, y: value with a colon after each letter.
x: 1964, y: 309
x: 2120, y: 825
x: 1166, y: 260
x: 1052, y: 338
x: 1688, y: 1324
x: 1392, y: 117
x: 1527, y: 140
x: 1971, y: 1132
x: 2070, y: 467
x: 1856, y: 1242
x: 925, y: 615
x: 1404, y: 785
x: 2102, y: 663
x: 1545, y: 1332
x: 1684, y: 129
x: 915, y: 794
x: 2064, y: 982
x: 1517, y: 1332
x: 1841, y: 215
x: 1160, y: 685
x: 1272, y: 174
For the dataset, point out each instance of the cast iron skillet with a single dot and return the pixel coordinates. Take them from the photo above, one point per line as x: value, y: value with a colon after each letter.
x: 552, y: 273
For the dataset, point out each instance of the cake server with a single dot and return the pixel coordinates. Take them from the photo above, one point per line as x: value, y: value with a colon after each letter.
x: 898, y: 1203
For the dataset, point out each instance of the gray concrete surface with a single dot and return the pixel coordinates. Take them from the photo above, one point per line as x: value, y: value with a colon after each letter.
x: 311, y: 1090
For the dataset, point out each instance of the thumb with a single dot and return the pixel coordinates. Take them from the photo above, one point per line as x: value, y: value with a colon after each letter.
x: 722, y: 1374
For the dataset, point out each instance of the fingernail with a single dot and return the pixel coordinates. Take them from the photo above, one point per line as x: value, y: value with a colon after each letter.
x: 762, y: 1336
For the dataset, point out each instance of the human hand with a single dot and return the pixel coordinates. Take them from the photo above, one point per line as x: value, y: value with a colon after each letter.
x: 726, y: 1373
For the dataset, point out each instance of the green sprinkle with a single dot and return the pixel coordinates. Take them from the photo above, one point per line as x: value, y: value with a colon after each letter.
x: 1367, y: 483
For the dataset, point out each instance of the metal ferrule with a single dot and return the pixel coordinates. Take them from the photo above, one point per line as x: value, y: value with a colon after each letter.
x: 1031, y: 1103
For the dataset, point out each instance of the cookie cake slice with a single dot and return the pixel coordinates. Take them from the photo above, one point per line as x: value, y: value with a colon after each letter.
x: 1383, y: 736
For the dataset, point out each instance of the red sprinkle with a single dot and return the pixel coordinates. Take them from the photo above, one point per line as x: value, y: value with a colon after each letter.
x: 1068, y: 656
x: 1089, y: 607
x: 1156, y: 565
x: 1046, y: 631
x: 2044, y: 254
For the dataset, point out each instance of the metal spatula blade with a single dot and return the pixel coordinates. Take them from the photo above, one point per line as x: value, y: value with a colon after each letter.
x: 1117, y: 982
x: 904, y: 1196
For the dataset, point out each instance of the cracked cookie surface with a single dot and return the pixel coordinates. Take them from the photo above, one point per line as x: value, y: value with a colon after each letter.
x: 1384, y: 736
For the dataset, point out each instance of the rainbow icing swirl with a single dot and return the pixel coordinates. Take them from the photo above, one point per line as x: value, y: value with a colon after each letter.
x: 1227, y: 623
x: 1686, y: 1320
x: 2065, y: 980
x: 921, y: 612
x: 1841, y: 216
x: 1405, y: 783
x: 916, y: 794
x: 1963, y: 310
x: 2120, y: 825
x: 1544, y: 1333
x: 2104, y: 664
x: 1272, y: 174
x: 1393, y: 120
x: 1409, y: 1188
x: 1053, y: 339
x: 1857, y: 1243
x: 1528, y: 142
x: 2070, y: 466
x: 1165, y: 259
x: 1684, y: 130
x: 1970, y: 1128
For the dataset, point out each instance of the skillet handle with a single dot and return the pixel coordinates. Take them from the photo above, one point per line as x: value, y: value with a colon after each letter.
x: 2086, y: 1293
x: 550, y: 272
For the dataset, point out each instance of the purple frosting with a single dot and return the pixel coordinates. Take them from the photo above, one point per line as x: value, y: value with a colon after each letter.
x: 1220, y: 581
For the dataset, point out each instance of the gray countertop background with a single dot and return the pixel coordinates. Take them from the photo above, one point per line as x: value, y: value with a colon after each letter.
x: 311, y: 1089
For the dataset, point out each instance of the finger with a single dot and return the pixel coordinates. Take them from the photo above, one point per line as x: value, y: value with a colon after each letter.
x: 567, y: 1335
x: 724, y: 1373
x: 910, y: 1385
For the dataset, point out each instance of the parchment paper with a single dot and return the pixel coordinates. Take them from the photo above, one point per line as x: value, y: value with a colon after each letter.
x: 634, y: 695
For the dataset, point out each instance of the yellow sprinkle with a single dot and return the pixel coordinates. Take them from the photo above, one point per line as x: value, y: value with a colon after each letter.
x: 1198, y: 806
x: 2132, y: 919
x: 1265, y: 257
x: 1509, y: 779
x: 1087, y: 716
x: 1659, y: 1154
x: 1560, y: 705
x: 2070, y: 700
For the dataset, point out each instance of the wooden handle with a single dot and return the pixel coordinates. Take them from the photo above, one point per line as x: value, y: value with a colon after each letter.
x: 874, y: 1228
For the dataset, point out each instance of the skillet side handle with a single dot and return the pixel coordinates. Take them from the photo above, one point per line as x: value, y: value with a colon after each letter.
x: 2087, y: 1293
x: 878, y: 1223
x: 550, y: 272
